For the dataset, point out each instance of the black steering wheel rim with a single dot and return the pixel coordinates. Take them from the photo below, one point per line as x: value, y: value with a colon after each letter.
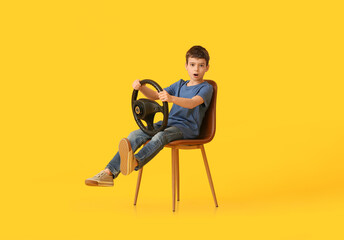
x: 145, y: 109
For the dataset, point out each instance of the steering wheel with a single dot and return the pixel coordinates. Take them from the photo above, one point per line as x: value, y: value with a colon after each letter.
x: 145, y: 109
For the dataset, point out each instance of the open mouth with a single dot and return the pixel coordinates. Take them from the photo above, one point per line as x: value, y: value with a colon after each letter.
x: 195, y: 75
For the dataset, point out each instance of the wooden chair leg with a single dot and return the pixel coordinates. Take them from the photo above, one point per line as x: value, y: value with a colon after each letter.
x: 177, y: 173
x: 174, y: 156
x: 209, y: 175
x: 138, y: 185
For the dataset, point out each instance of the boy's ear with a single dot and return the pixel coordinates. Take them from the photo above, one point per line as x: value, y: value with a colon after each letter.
x: 207, y: 68
x: 186, y: 65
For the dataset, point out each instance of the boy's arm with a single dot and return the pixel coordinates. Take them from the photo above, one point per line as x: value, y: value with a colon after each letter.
x: 183, y: 102
x: 149, y: 93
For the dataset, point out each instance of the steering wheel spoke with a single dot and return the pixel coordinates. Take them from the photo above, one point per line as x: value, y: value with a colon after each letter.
x: 150, y: 121
x: 160, y: 109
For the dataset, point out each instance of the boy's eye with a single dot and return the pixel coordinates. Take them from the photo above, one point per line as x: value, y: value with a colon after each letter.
x: 192, y: 64
x: 201, y: 65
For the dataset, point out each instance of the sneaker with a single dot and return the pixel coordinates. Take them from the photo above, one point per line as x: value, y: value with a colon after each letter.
x: 102, y: 179
x: 128, y: 161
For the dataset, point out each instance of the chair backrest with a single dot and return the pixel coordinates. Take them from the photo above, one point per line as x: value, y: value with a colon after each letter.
x: 208, y: 127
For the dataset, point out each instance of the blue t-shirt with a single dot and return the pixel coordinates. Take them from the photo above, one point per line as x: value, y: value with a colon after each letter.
x: 189, y: 120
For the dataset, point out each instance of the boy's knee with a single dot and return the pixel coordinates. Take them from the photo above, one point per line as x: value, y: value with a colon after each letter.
x: 133, y: 135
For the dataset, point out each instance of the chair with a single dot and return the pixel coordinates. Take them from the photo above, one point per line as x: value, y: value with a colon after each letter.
x: 207, y: 133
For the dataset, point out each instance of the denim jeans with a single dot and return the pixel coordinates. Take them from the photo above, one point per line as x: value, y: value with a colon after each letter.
x: 156, y: 144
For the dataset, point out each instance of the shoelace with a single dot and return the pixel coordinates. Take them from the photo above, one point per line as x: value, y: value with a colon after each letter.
x: 100, y: 174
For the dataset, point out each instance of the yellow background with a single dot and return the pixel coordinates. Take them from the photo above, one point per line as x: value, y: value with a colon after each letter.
x: 277, y: 157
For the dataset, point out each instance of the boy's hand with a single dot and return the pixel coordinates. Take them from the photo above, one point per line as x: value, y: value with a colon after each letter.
x: 164, y: 96
x: 137, y: 84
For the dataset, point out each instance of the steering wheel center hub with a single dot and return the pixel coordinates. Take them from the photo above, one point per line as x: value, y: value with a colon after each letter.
x: 137, y: 110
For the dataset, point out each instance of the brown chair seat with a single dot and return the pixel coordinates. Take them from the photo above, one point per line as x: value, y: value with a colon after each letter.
x: 188, y: 142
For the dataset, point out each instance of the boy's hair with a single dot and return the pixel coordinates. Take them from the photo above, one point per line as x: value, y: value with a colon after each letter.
x: 197, y: 52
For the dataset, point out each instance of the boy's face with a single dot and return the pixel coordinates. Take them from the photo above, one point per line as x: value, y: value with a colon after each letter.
x: 196, y: 68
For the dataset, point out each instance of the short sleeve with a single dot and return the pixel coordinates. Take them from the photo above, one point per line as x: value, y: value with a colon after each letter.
x: 172, y: 90
x: 206, y: 93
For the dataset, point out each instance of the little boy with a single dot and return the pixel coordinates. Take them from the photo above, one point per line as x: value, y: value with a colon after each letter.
x: 190, y: 102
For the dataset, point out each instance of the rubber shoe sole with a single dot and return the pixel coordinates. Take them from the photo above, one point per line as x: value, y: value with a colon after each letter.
x: 128, y: 161
x: 89, y: 182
